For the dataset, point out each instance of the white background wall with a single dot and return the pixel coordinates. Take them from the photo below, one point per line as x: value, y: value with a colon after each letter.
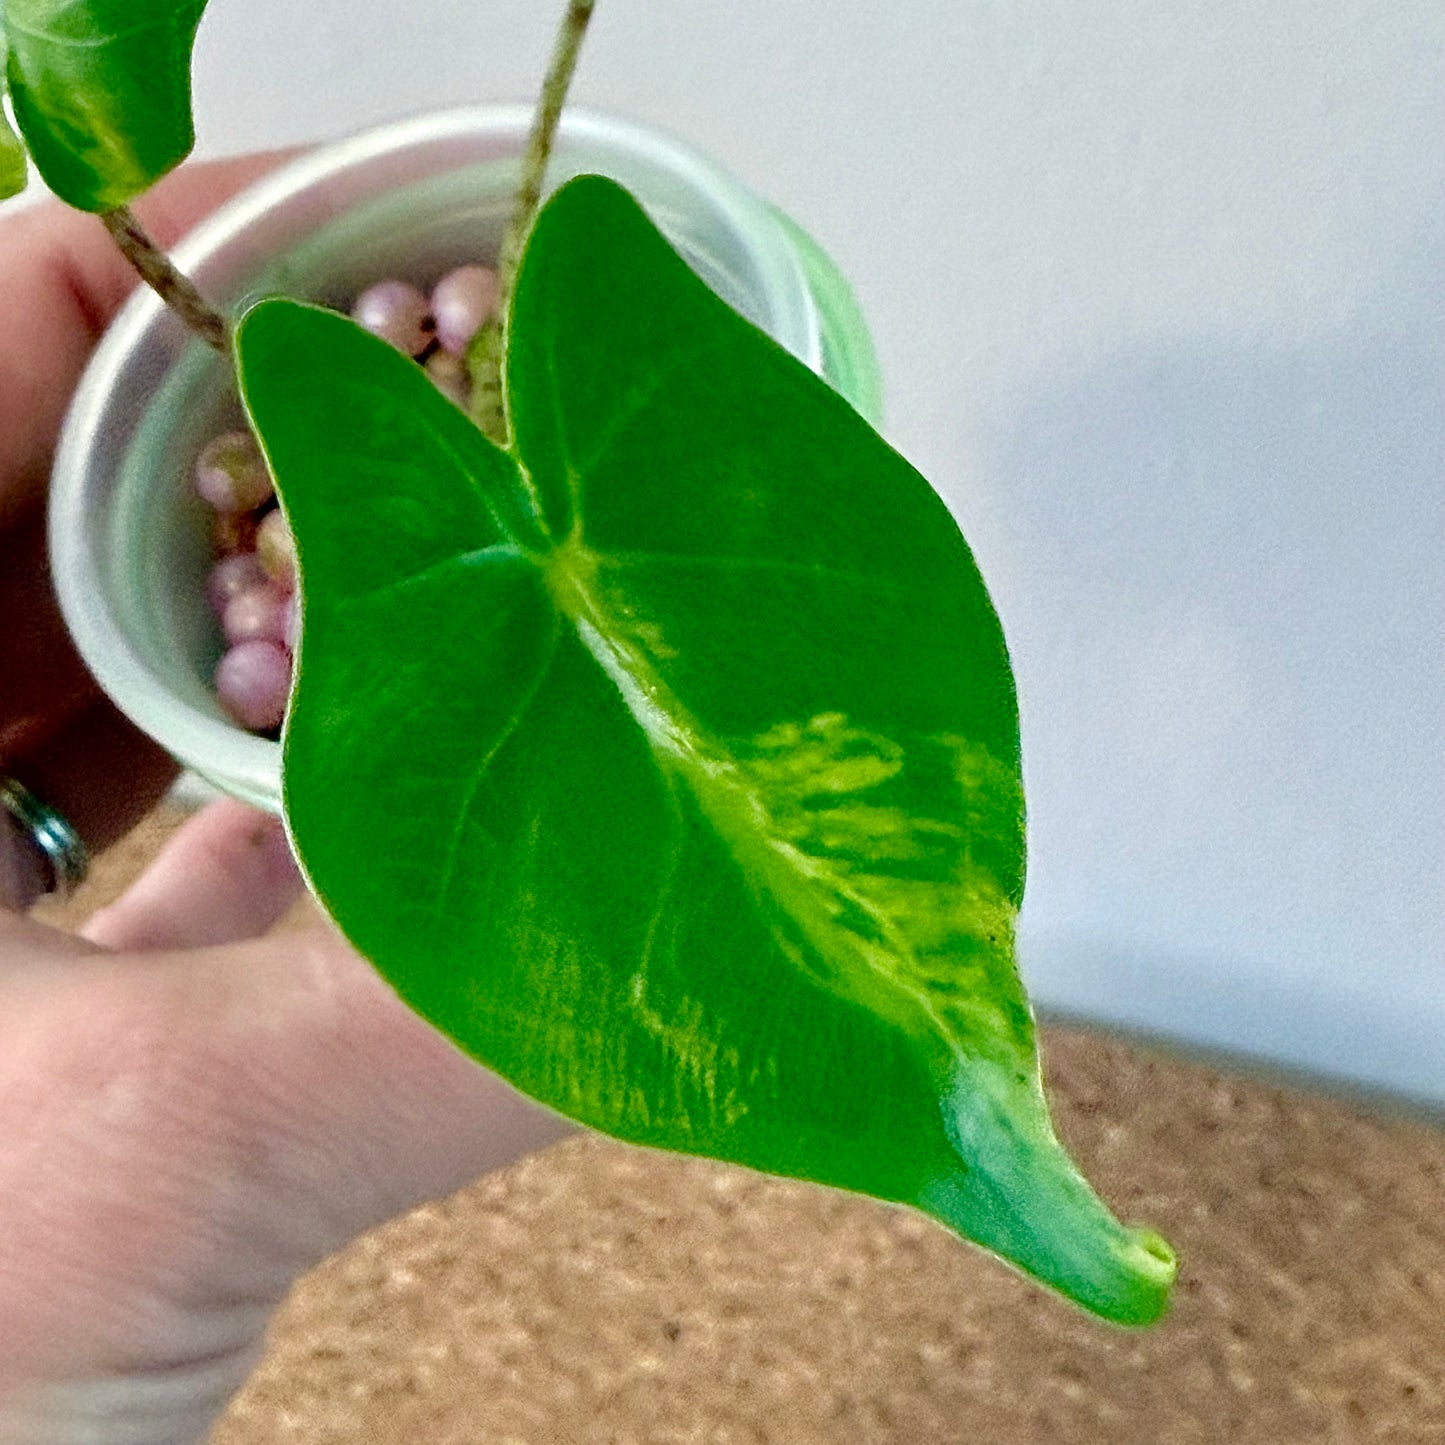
x: 1159, y: 291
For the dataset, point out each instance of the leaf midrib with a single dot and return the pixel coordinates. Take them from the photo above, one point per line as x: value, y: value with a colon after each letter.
x: 724, y: 798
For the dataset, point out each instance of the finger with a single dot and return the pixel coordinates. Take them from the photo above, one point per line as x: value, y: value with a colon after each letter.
x: 226, y: 874
x: 46, y: 684
x: 24, y: 875
x: 26, y: 944
x: 99, y: 772
x: 29, y: 946
x: 62, y: 282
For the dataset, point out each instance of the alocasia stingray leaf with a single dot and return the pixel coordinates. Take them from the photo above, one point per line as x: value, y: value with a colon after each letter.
x: 102, y: 91
x: 669, y: 763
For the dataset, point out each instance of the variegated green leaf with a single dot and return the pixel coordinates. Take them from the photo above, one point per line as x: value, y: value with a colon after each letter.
x: 12, y: 148
x: 102, y: 91
x: 670, y: 762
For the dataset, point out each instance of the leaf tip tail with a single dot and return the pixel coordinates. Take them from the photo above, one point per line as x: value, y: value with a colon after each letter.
x: 1014, y: 1190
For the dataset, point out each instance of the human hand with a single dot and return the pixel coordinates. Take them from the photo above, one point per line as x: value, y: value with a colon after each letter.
x: 190, y: 1115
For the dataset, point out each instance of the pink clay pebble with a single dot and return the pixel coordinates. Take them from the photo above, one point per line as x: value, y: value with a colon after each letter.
x: 397, y: 312
x: 276, y: 550
x: 233, y: 574
x: 450, y: 375
x: 291, y: 622
x: 461, y: 302
x: 231, y: 473
x: 257, y: 613
x: 253, y: 681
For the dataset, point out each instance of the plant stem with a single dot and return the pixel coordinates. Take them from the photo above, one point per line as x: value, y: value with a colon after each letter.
x: 539, y: 144
x: 159, y: 273
x: 484, y: 355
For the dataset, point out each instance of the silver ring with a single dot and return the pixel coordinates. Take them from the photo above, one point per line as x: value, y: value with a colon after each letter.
x: 56, y: 842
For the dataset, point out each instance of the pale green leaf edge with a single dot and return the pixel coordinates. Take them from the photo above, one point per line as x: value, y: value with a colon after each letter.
x: 14, y: 170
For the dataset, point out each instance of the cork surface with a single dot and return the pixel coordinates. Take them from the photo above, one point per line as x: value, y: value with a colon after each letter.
x: 597, y: 1295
